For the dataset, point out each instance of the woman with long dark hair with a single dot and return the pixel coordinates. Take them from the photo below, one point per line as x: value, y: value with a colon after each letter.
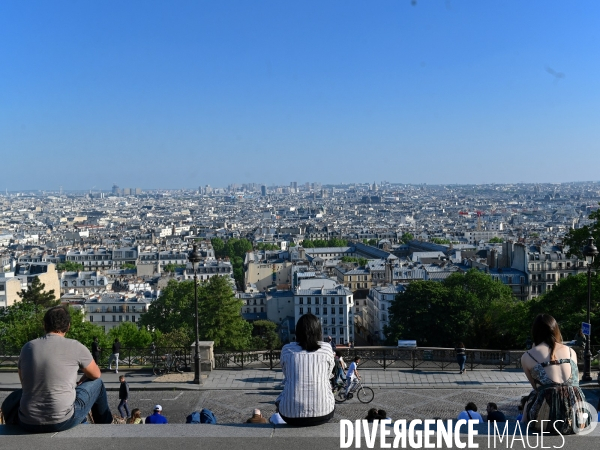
x: 551, y: 368
x: 306, y: 398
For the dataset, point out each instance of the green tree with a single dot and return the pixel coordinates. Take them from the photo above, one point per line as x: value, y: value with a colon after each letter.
x: 307, y: 243
x: 19, y: 324
x: 219, y: 313
x: 362, y: 262
x: 218, y: 246
x: 470, y: 307
x: 171, y: 268
x: 265, y: 335
x: 69, y: 266
x: 335, y: 242
x: 179, y: 337
x: 130, y: 335
x: 128, y: 266
x: 576, y: 239
x: 407, y: 237
x: 292, y: 244
x: 440, y: 241
x: 173, y: 309
x: 496, y: 240
x: 372, y: 242
x: 567, y: 303
x: 36, y: 295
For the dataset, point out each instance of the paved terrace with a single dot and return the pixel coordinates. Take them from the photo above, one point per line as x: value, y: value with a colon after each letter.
x: 232, y: 394
x: 250, y: 379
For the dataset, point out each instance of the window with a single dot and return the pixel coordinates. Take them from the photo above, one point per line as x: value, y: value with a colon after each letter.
x: 309, y: 310
x: 126, y: 318
x: 114, y: 318
x: 333, y: 321
x: 103, y: 319
x: 301, y: 310
x: 308, y: 302
x: 341, y: 332
x: 325, y: 321
x: 301, y: 300
x: 91, y: 318
x: 341, y: 341
x: 341, y: 301
x: 332, y: 310
x: 341, y: 310
x: 317, y: 311
x: 324, y: 300
x: 120, y: 318
x: 133, y: 319
x: 316, y: 300
x: 325, y: 331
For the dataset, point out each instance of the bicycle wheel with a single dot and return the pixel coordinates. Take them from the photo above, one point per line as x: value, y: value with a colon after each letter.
x: 340, y: 395
x: 365, y: 394
x: 158, y: 369
x: 179, y: 365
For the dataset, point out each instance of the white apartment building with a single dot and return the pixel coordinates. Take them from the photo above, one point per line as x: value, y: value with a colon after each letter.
x: 379, y: 301
x: 333, y: 306
x: 111, y: 310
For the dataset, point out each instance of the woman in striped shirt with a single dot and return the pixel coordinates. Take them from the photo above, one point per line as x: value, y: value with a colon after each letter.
x: 306, y: 398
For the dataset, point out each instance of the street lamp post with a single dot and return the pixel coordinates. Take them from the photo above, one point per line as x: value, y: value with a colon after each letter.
x: 590, y: 252
x: 194, y: 259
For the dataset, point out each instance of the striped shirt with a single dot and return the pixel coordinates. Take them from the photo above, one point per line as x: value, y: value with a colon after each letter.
x: 306, y: 386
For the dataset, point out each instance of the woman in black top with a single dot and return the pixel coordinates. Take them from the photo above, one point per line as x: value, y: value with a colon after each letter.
x: 461, y: 356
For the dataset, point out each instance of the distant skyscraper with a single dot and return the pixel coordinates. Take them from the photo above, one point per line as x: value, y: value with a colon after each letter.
x: 263, y: 190
x: 115, y: 190
x: 138, y: 191
x: 294, y: 185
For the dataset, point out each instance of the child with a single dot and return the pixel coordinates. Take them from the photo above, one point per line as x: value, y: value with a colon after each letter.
x: 123, y: 396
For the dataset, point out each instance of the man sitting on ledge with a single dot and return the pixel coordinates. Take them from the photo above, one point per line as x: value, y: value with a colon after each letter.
x: 51, y: 398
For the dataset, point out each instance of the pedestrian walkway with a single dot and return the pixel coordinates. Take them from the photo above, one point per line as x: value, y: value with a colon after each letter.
x: 272, y: 379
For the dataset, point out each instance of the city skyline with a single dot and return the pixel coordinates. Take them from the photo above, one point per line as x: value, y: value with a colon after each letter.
x: 176, y: 96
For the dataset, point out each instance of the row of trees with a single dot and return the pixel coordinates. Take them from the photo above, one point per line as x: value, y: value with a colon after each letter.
x: 170, y: 319
x: 482, y: 313
x: 321, y: 243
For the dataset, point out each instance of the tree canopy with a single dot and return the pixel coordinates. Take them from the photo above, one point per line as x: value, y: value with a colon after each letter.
x: 37, y: 295
x: 321, y: 243
x: 576, y: 239
x: 470, y: 307
x: 69, y: 266
x: 219, y: 313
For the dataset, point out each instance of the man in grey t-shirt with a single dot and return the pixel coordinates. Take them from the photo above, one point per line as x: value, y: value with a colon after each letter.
x: 51, y: 398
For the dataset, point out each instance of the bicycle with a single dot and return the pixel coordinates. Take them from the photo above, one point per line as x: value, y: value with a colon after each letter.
x: 364, y: 394
x: 167, y: 364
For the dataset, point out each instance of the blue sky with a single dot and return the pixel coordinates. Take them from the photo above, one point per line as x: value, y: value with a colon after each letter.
x: 177, y: 94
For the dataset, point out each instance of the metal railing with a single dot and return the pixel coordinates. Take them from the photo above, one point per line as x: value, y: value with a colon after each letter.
x: 129, y: 357
x: 428, y: 358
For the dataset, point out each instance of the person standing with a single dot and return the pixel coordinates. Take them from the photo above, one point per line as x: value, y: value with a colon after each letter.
x: 123, y: 396
x: 461, y: 356
x: 51, y: 398
x: 332, y: 343
x: 156, y: 417
x: 116, y: 349
x: 96, y: 350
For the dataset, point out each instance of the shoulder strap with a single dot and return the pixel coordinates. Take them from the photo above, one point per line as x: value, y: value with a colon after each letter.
x: 532, y: 357
x: 469, y: 414
x: 570, y: 352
